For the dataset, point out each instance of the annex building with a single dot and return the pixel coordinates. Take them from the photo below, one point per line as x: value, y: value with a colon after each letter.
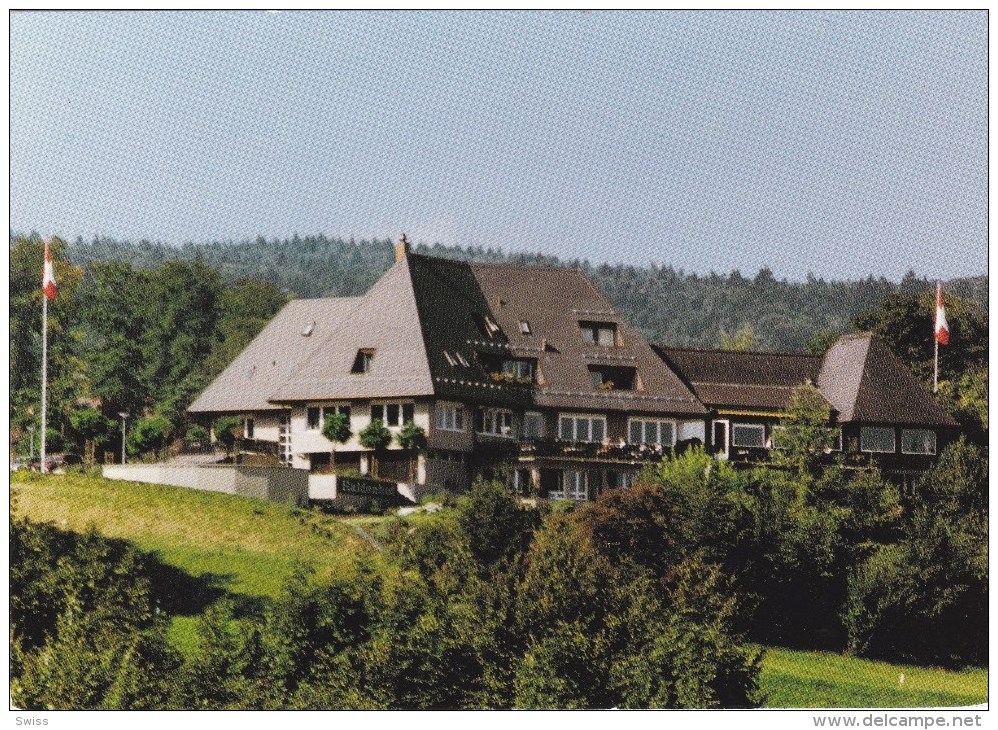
x: 530, y: 373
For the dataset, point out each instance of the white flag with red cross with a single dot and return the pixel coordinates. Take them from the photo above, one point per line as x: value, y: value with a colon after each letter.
x: 48, y: 276
x: 942, y: 328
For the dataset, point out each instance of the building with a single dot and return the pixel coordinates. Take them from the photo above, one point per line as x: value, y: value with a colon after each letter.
x: 531, y: 373
x: 879, y: 412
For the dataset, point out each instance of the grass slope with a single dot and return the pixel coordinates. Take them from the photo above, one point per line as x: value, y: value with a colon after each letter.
x: 823, y: 679
x: 247, y: 547
x: 236, y: 546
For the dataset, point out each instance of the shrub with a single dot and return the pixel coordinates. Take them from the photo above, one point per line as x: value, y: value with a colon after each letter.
x: 375, y: 436
x: 925, y: 598
x: 196, y: 433
x: 412, y: 436
x: 227, y: 431
x: 150, y: 435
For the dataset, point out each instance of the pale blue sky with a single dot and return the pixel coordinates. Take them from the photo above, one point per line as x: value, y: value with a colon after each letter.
x: 842, y: 143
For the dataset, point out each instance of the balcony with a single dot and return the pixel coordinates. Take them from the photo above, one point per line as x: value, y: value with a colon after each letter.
x: 629, y: 453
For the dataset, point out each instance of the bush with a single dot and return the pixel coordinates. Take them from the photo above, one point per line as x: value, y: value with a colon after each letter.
x: 197, y: 434
x: 150, y: 435
x: 925, y: 598
x: 375, y: 436
x: 228, y: 429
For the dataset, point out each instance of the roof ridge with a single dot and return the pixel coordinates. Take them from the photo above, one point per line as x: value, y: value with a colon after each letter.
x: 717, y: 350
x: 492, y: 264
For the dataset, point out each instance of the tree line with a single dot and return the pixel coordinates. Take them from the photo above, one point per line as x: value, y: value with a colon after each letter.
x: 668, y: 306
x: 123, y: 339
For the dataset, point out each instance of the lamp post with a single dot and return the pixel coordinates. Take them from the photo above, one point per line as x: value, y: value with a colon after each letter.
x: 124, y: 417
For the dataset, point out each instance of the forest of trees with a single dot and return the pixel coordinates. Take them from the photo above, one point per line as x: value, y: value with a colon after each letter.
x: 669, y: 307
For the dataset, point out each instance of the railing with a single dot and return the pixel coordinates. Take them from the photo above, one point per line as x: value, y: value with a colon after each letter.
x: 587, y: 450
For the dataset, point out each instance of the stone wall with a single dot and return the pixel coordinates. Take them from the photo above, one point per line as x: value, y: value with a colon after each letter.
x: 276, y: 483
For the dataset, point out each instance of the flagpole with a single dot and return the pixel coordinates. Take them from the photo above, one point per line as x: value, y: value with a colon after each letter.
x: 935, y: 340
x: 45, y: 355
x: 935, y: 372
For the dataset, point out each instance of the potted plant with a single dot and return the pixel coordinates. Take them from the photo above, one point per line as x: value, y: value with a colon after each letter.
x: 336, y: 428
x: 376, y: 437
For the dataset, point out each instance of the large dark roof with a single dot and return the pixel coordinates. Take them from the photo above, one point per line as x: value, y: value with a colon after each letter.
x: 423, y: 319
x: 867, y: 383
x: 742, y: 380
x: 453, y: 297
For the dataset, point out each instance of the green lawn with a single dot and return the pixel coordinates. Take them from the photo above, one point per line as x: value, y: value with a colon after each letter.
x: 822, y: 679
x: 247, y: 547
x: 235, y: 546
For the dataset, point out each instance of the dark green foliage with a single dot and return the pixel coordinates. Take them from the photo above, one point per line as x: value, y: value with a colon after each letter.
x: 925, y: 598
x: 228, y: 430
x: 411, y: 436
x: 197, y: 433
x: 904, y: 320
x: 494, y: 524
x: 804, y: 439
x: 89, y: 424
x: 638, y: 524
x: 138, y: 340
x: 84, y: 624
x: 150, y: 435
x: 375, y: 436
x: 786, y: 535
x: 336, y: 427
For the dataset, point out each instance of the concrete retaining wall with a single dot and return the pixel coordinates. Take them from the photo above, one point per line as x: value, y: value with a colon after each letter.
x: 276, y: 483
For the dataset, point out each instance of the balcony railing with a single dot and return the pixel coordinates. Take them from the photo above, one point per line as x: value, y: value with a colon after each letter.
x: 587, y: 450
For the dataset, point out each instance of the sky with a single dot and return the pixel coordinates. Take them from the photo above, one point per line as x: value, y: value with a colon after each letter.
x: 842, y: 144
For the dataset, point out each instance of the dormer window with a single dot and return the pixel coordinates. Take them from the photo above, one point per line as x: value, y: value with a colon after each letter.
x: 614, y: 378
x: 603, y: 334
x: 524, y: 327
x: 363, y: 362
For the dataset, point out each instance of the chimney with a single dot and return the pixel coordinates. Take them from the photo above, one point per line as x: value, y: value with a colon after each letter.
x: 402, y: 248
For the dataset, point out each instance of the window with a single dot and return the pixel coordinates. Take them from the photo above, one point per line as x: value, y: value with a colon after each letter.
x: 363, y: 362
x: 495, y: 422
x: 455, y: 457
x: 450, y: 417
x: 613, y: 378
x: 450, y: 360
x: 316, y: 415
x: 877, y: 440
x: 524, y: 327
x: 247, y: 428
x: 603, y: 334
x: 461, y: 360
x: 533, y: 425
x: 393, y: 414
x: 590, y: 429
x: 918, y: 441
x: 522, y: 371
x: 573, y: 485
x: 748, y: 435
x: 619, y: 479
x: 648, y: 431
